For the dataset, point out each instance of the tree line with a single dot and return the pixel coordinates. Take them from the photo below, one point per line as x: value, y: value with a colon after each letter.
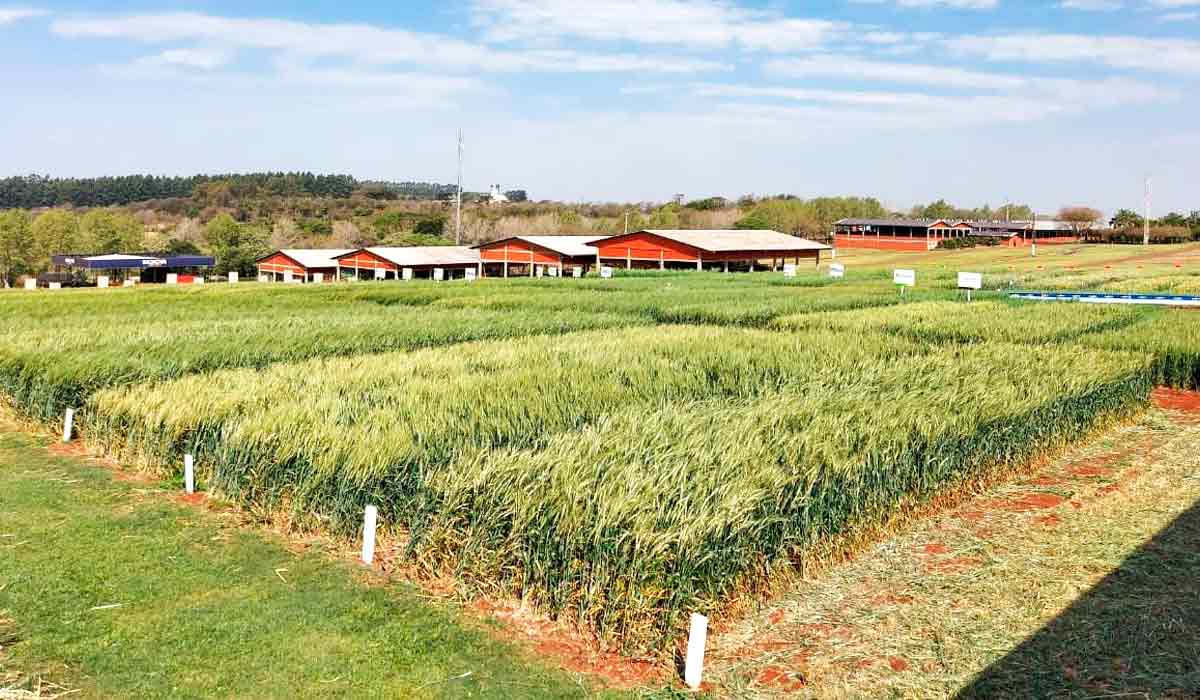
x: 41, y: 191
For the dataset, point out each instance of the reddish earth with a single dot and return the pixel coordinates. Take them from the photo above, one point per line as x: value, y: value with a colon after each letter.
x: 890, y: 599
x: 1051, y: 520
x: 195, y: 499
x: 1087, y: 471
x: 1028, y: 502
x: 781, y: 679
x: 953, y: 565
x: 1046, y: 480
x: 776, y: 617
x: 898, y: 664
x: 935, y: 548
x: 1177, y: 400
x: 69, y: 449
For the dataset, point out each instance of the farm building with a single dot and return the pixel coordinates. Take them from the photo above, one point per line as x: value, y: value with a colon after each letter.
x: 524, y: 255
x: 669, y: 249
x: 306, y: 265
x: 927, y: 234
x: 402, y: 263
x: 144, y: 267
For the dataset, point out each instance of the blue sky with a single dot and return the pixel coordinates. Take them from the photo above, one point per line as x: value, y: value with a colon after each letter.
x: 1054, y: 102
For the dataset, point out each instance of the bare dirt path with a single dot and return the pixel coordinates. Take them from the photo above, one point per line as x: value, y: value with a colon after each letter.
x: 1081, y: 580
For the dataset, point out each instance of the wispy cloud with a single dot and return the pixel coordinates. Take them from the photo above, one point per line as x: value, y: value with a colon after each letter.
x: 8, y: 15
x: 953, y: 4
x: 869, y: 70
x: 1092, y: 5
x: 362, y: 44
x: 1129, y: 52
x: 707, y: 24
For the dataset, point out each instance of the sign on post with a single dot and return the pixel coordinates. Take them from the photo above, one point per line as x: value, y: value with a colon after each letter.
x: 606, y: 272
x: 287, y: 276
x: 318, y: 277
x: 380, y: 273
x: 263, y: 278
x: 56, y: 285
x: 789, y: 269
x: 552, y: 271
x: 233, y: 278
x: 407, y: 273
x: 905, y: 278
x: 539, y: 271
x: 577, y: 271
x: 31, y: 284
x: 102, y: 282
x: 129, y: 283
x: 172, y: 278
x: 837, y: 270
x: 470, y: 274
x: 198, y: 279
x: 969, y: 281
x: 438, y: 274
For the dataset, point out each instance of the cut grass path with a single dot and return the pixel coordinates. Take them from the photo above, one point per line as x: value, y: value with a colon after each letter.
x: 1078, y: 581
x: 205, y: 608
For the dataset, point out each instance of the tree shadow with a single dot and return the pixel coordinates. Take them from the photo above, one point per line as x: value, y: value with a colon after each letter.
x: 1135, y: 634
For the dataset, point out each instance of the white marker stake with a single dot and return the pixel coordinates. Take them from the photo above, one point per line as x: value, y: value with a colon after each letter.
x: 68, y: 424
x: 189, y: 474
x: 693, y: 669
x: 233, y: 278
x: 369, y: 518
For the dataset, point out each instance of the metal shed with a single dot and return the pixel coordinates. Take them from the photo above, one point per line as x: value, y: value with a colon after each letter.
x: 526, y: 254
x: 420, y: 262
x: 301, y: 264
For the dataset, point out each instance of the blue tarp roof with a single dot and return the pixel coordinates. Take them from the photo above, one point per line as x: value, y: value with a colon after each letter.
x: 132, y: 261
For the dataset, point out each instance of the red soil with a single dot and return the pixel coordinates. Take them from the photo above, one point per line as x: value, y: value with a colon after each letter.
x: 935, y: 548
x: 1027, y: 502
x: 1051, y: 520
x: 781, y: 679
x: 1176, y: 400
x: 1089, y: 470
x: 776, y: 617
x: 195, y: 499
x: 890, y: 599
x: 953, y: 565
x: 898, y: 664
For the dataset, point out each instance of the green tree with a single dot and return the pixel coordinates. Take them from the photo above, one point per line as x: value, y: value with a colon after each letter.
x: 666, y: 217
x: 55, y: 232
x: 17, y: 250
x: 103, y: 231
x: 1126, y: 219
x: 235, y: 246
x: 432, y: 226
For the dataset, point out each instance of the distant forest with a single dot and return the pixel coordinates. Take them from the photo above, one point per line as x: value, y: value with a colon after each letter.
x: 38, y: 191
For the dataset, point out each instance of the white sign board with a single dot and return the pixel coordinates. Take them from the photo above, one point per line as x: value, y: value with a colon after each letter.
x: 318, y: 277
x: 380, y: 273
x: 606, y: 272
x: 263, y: 278
x: 102, y: 282
x: 197, y: 280
x: 552, y: 271
x: 233, y: 278
x: 540, y: 271
x: 577, y: 271
x: 407, y: 273
x: 470, y: 274
x: 970, y: 280
x: 129, y: 283
x: 789, y: 270
x: 31, y: 284
x: 905, y: 278
x: 56, y: 285
x: 287, y: 276
x: 172, y: 278
x: 439, y: 274
x: 837, y: 270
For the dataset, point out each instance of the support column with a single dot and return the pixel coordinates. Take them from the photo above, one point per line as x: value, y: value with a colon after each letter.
x: 628, y: 259
x: 479, y: 270
x: 531, y: 263
x: 700, y: 262
x: 726, y: 266
x: 506, y: 267
x: 662, y: 264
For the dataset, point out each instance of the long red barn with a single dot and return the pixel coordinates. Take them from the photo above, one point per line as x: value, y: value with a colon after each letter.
x: 663, y: 249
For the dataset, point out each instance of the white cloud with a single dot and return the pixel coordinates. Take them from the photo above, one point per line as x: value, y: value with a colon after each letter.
x: 953, y: 4
x: 866, y: 70
x: 1092, y: 5
x: 1140, y: 53
x: 8, y: 15
x: 1179, y: 17
x: 708, y: 24
x: 361, y: 43
x: 206, y: 59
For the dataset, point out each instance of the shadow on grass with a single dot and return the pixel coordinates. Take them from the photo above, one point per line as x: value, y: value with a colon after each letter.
x: 1135, y: 634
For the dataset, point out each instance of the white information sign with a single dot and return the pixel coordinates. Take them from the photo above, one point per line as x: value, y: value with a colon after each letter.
x: 552, y: 271
x: 198, y: 280
x: 172, y: 278
x: 233, y: 278
x: 837, y: 270
x: 407, y: 273
x: 102, y: 282
x: 789, y: 269
x: 263, y: 278
x: 577, y: 271
x: 905, y: 278
x: 438, y: 274
x: 318, y: 277
x: 287, y: 276
x: 470, y: 274
x: 970, y: 280
x: 56, y: 285
x: 606, y: 272
x: 129, y: 283
x: 380, y: 273
x: 31, y: 284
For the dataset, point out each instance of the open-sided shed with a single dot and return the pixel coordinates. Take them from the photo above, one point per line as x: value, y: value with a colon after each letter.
x: 525, y: 254
x: 146, y: 267
x: 421, y: 261
x: 663, y: 249
x: 302, y: 264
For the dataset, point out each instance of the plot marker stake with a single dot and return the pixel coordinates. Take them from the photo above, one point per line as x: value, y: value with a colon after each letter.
x: 368, y: 548
x: 68, y: 424
x: 693, y: 669
x: 189, y: 474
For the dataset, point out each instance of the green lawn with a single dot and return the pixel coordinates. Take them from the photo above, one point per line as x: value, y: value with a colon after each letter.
x: 203, y: 611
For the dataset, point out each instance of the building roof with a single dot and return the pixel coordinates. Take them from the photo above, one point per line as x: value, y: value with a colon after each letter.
x: 570, y: 246
x: 418, y: 256
x: 132, y: 261
x: 313, y: 257
x: 726, y: 240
